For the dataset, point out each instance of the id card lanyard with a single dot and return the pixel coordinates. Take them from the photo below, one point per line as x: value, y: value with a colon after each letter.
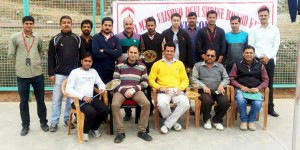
x: 211, y: 39
x: 26, y: 46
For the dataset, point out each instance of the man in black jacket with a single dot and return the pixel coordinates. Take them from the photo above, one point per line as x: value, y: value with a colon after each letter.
x: 63, y: 56
x: 182, y: 41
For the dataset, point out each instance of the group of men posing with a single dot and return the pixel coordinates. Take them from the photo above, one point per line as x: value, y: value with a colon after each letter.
x: 198, y: 54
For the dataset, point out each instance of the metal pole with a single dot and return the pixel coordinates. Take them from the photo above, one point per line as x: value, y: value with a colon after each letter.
x: 296, y: 105
x: 94, y: 17
x: 101, y: 9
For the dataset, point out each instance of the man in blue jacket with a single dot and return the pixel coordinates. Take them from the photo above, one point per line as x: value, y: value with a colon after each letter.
x: 106, y: 49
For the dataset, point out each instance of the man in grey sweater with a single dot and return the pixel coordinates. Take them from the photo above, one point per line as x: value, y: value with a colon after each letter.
x: 211, y: 78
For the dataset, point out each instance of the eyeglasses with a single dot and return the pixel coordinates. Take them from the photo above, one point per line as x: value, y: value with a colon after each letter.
x: 212, y: 56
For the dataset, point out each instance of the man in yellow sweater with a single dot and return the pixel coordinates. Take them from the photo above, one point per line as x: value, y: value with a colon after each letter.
x: 169, y: 78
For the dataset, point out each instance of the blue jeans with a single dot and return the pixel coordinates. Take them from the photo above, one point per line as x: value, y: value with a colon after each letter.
x: 57, y: 100
x: 23, y: 89
x: 242, y: 107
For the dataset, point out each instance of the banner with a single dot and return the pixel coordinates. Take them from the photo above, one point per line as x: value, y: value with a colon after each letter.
x: 162, y: 11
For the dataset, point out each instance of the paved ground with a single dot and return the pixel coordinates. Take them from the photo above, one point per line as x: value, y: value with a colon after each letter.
x: 278, y: 136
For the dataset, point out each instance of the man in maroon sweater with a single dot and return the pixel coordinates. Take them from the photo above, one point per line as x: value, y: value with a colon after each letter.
x: 134, y: 78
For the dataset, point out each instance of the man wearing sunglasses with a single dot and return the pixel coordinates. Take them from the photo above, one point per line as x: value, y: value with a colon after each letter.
x: 211, y: 78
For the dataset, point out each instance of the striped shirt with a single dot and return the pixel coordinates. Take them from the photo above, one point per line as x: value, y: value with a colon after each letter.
x: 131, y: 75
x: 126, y: 41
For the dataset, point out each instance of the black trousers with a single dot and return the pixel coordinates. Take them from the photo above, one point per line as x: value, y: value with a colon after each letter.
x: 95, y: 113
x: 207, y: 103
x: 270, y: 67
x: 23, y: 89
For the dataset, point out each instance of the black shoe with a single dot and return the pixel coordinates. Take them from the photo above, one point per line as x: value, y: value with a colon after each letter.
x: 273, y: 113
x: 144, y: 136
x: 53, y: 128
x: 119, y: 138
x: 127, y: 117
x: 72, y: 125
x: 45, y: 127
x: 192, y: 113
x: 24, y: 131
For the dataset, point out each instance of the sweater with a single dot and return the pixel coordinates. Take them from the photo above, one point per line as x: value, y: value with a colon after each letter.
x: 64, y: 53
x: 126, y: 41
x: 105, y: 61
x: 168, y: 75
x: 81, y: 82
x: 131, y: 75
x: 184, y: 44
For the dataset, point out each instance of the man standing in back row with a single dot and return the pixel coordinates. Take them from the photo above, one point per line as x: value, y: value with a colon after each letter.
x: 265, y: 38
x: 25, y: 52
x: 63, y: 56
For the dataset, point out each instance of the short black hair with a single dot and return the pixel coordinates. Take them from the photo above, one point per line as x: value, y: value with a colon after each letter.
x: 149, y: 19
x: 234, y: 18
x: 64, y: 17
x: 86, y: 54
x: 27, y: 18
x: 211, y: 12
x: 107, y: 19
x: 192, y: 14
x: 170, y: 44
x: 263, y: 8
x: 86, y: 21
x: 175, y: 15
x: 249, y: 47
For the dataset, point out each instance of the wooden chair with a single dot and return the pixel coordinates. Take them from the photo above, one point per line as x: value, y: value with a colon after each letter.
x: 265, y: 107
x: 128, y: 103
x: 156, y: 111
x: 79, y: 114
x: 229, y: 91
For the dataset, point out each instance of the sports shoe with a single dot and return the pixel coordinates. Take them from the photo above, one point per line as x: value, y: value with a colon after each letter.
x: 252, y: 126
x: 164, y: 129
x: 243, y: 126
x: 72, y: 124
x: 25, y: 131
x: 144, y: 136
x: 53, y: 128
x: 207, y: 125
x: 45, y: 127
x: 86, y: 137
x: 218, y: 126
x: 177, y: 127
x: 119, y: 138
x: 95, y: 133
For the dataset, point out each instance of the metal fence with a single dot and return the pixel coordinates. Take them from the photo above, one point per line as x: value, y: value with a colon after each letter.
x: 48, y: 12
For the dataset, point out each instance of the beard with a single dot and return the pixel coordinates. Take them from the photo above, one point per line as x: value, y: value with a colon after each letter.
x: 86, y: 32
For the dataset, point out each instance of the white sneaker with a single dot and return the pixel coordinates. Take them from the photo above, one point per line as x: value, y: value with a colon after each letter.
x: 218, y: 126
x: 85, y: 137
x: 96, y: 133
x: 207, y: 124
x: 164, y: 129
x: 177, y: 127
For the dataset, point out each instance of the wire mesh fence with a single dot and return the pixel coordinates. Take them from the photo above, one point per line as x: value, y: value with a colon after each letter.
x: 48, y: 12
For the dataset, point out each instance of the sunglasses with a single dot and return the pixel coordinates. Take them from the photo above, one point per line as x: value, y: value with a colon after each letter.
x: 212, y: 56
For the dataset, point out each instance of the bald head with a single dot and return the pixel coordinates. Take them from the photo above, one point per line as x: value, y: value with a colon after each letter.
x: 128, y: 25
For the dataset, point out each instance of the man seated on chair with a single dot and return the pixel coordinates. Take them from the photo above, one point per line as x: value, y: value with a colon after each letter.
x: 134, y: 79
x: 248, y: 76
x: 81, y: 84
x: 211, y: 78
x: 169, y: 78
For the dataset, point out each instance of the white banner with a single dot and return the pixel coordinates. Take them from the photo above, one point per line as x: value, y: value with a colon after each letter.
x: 162, y: 11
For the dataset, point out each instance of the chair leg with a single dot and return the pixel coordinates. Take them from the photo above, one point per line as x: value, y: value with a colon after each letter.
x: 197, y: 113
x: 111, y: 122
x: 265, y: 115
x: 80, y: 125
x: 187, y: 119
x: 227, y: 118
x: 69, y: 123
x: 156, y: 118
x: 233, y: 113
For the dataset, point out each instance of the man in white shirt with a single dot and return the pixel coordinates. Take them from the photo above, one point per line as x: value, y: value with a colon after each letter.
x: 81, y: 84
x: 265, y: 38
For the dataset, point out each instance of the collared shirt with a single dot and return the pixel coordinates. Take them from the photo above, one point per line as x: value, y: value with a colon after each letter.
x: 87, y: 44
x: 17, y: 54
x: 210, y: 77
x: 169, y: 62
x: 266, y: 41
